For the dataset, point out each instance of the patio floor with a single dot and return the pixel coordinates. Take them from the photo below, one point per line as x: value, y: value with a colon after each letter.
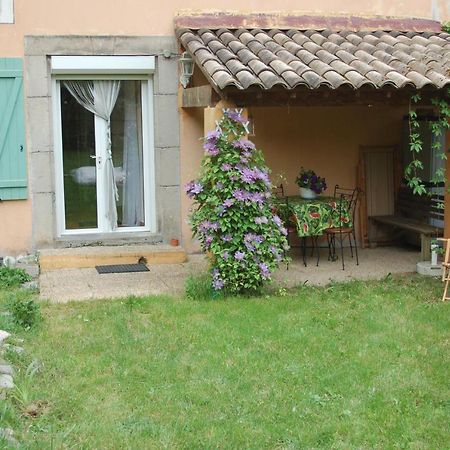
x: 86, y: 284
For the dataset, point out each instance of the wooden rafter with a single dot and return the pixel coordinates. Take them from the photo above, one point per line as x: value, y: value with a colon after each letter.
x: 199, y: 97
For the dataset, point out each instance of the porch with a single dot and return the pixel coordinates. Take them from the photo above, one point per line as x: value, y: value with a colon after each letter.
x: 169, y: 279
x: 329, y: 96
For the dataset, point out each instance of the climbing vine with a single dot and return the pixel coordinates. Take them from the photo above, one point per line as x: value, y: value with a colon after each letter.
x: 438, y: 128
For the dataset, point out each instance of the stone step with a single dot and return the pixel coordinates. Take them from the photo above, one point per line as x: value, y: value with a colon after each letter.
x: 86, y: 257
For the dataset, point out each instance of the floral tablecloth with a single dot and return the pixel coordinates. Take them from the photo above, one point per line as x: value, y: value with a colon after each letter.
x: 312, y: 217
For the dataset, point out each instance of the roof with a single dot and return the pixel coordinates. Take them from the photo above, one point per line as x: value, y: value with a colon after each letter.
x: 245, y: 58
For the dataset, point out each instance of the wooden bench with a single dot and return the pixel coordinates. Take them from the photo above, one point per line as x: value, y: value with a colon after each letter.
x: 413, y: 214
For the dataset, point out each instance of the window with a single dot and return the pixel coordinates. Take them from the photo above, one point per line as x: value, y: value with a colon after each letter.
x: 104, y: 153
x: 6, y: 11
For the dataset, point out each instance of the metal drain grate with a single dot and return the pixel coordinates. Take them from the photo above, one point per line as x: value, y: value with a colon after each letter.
x: 122, y: 268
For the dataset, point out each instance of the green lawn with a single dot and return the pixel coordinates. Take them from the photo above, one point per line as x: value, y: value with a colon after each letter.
x: 360, y: 365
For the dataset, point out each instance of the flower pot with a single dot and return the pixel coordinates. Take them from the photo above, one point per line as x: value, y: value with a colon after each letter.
x: 174, y: 242
x: 307, y: 193
x: 434, y: 258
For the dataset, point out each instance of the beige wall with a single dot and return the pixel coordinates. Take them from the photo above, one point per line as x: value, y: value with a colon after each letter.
x: 15, y: 227
x: 149, y: 17
x: 325, y: 139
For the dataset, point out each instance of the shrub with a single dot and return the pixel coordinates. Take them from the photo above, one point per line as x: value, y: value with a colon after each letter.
x: 10, y: 277
x: 233, y: 214
x: 24, y: 309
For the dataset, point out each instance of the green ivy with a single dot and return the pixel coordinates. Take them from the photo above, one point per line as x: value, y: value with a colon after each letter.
x: 437, y: 128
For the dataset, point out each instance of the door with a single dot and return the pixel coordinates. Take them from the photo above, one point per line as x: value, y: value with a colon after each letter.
x: 378, y: 180
x: 103, y: 163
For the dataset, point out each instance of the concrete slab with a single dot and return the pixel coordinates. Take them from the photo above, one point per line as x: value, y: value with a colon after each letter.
x: 86, y: 284
x: 374, y: 264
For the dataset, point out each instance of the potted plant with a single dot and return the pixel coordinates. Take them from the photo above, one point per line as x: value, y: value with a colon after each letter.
x: 310, y: 183
x: 436, y: 250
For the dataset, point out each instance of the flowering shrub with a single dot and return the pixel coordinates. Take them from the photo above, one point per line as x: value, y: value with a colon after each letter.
x: 308, y: 179
x: 233, y: 215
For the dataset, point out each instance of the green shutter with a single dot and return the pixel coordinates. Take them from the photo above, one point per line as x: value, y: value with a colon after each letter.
x: 13, y: 167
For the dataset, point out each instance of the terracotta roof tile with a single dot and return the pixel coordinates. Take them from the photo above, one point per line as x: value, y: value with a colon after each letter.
x: 267, y: 58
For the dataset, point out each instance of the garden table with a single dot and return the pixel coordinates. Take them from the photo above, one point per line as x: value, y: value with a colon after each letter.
x: 311, y: 217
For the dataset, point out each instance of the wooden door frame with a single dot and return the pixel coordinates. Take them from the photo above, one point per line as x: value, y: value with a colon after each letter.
x: 361, y: 176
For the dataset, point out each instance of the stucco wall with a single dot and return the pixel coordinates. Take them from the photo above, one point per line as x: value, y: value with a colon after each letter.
x: 144, y: 17
x: 147, y: 18
x: 326, y: 139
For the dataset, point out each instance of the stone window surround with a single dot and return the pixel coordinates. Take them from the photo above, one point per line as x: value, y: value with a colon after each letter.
x: 6, y: 11
x: 38, y: 105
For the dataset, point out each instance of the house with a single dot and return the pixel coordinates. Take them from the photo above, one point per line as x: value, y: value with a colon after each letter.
x: 97, y: 135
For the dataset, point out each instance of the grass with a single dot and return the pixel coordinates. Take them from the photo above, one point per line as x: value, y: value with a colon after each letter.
x: 359, y: 365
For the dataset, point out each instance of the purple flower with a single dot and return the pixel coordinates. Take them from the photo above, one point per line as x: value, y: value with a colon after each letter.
x: 283, y: 231
x: 210, y: 148
x: 208, y: 241
x: 204, y: 226
x: 249, y: 246
x: 228, y: 202
x: 239, y: 256
x: 248, y: 176
x: 240, y: 195
x: 276, y: 253
x: 234, y: 115
x: 219, y: 185
x: 262, y: 175
x: 265, y: 272
x: 193, y: 188
x: 218, y: 284
x: 261, y: 220
x: 256, y: 197
x: 244, y: 144
x: 277, y: 220
x: 227, y: 238
x: 214, y: 226
x: 225, y: 255
x: 213, y: 135
x: 225, y: 167
x: 251, y: 240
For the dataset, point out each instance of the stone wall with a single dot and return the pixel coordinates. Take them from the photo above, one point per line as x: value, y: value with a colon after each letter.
x: 39, y: 119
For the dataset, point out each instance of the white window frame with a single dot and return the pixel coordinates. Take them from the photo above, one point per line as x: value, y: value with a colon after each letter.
x: 106, y: 67
x: 6, y: 11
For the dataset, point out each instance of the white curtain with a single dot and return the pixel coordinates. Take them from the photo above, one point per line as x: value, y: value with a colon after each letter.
x: 100, y: 97
x: 133, y: 194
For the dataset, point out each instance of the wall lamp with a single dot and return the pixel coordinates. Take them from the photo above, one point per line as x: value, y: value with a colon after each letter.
x: 187, y: 68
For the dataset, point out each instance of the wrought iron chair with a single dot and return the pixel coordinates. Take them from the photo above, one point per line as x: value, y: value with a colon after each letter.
x: 278, y: 191
x: 347, y: 203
